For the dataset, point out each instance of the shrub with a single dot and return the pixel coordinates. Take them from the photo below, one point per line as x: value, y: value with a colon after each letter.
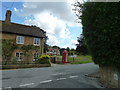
x: 14, y: 60
x: 102, y: 32
x: 44, y: 59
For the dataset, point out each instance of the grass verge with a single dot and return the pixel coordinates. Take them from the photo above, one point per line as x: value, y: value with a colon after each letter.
x: 81, y: 59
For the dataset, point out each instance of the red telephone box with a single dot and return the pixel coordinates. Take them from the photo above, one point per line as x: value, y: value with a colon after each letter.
x: 64, y: 56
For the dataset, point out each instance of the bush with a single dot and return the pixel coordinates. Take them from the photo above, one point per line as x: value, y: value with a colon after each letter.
x: 44, y: 59
x: 102, y: 32
x: 15, y: 60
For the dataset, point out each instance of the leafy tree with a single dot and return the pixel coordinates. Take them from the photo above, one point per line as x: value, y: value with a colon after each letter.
x: 61, y: 50
x: 72, y: 49
x: 45, y: 47
x: 81, y: 46
x: 68, y: 49
x: 56, y: 47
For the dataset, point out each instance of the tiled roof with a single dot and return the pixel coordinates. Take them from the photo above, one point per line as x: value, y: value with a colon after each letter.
x: 22, y: 29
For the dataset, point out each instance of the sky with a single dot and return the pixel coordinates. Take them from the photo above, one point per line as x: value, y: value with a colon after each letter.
x: 55, y: 17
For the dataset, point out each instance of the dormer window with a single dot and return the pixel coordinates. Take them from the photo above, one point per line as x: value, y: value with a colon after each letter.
x: 20, y: 40
x: 36, y: 41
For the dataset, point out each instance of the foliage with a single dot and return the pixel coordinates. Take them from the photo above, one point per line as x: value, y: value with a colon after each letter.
x: 56, y: 47
x: 8, y: 46
x: 81, y: 46
x: 68, y: 49
x: 26, y: 48
x: 102, y: 32
x: 14, y: 60
x: 61, y: 50
x: 45, y: 47
x: 44, y: 59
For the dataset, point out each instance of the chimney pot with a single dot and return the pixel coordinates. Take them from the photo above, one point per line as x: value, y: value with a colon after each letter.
x: 8, y: 16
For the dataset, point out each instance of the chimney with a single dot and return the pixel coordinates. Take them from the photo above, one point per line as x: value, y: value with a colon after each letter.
x: 8, y: 16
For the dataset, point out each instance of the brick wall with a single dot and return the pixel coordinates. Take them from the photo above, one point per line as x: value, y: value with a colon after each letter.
x: 27, y: 41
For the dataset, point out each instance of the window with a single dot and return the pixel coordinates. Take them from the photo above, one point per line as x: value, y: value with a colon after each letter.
x: 36, y: 55
x: 20, y: 40
x: 36, y: 41
x: 19, y: 55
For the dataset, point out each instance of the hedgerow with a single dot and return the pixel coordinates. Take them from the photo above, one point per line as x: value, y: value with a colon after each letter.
x: 101, y: 28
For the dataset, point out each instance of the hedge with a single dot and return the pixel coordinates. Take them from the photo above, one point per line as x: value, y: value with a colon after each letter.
x: 101, y: 28
x: 44, y: 59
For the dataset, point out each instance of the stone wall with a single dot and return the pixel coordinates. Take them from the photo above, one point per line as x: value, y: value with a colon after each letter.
x: 110, y: 76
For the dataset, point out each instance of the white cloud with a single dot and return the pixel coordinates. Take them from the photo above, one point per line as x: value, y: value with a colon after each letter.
x: 53, y: 40
x: 51, y: 24
x: 15, y: 10
x: 74, y: 42
x: 62, y: 10
x: 53, y: 17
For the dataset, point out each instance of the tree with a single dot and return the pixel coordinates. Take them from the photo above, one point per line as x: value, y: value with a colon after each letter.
x: 81, y: 46
x: 45, y: 47
x: 101, y: 30
x: 61, y: 50
x: 56, y: 47
x: 68, y: 49
x: 72, y: 51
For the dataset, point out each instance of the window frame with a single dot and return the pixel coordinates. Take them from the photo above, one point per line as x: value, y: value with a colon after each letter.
x: 20, y: 57
x: 34, y: 56
x: 35, y: 41
x: 20, y: 39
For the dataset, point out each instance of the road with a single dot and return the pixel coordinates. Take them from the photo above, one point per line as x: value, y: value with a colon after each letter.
x: 60, y: 76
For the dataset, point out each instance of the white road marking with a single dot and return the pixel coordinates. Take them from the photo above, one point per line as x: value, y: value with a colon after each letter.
x: 26, y: 84
x: 46, y: 81
x: 57, y: 74
x: 61, y: 78
x: 7, y: 87
x: 73, y: 76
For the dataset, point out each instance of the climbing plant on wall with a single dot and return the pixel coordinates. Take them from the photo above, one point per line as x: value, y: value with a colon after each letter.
x: 8, y: 46
x: 27, y: 49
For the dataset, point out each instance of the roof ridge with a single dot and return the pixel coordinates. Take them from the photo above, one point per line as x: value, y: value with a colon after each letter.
x: 23, y: 29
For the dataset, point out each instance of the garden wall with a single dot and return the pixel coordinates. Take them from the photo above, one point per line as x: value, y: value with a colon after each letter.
x: 110, y: 76
x: 24, y: 66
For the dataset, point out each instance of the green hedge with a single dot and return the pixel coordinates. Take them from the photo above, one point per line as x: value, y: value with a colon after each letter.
x: 101, y: 28
x: 44, y: 59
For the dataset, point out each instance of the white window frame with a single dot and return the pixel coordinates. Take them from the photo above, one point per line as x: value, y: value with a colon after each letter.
x: 35, y: 56
x: 20, y: 39
x: 36, y: 41
x: 20, y: 57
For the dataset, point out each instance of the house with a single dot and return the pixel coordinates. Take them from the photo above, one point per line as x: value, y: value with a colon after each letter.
x: 23, y: 35
x: 53, y: 51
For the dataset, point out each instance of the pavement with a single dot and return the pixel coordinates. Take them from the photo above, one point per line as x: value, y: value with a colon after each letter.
x: 57, y: 76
